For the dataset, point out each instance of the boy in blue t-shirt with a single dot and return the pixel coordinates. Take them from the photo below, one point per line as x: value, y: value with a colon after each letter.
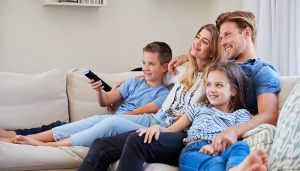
x: 140, y: 95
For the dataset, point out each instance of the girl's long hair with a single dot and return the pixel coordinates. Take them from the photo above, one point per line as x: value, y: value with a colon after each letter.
x: 237, y: 81
x: 189, y: 76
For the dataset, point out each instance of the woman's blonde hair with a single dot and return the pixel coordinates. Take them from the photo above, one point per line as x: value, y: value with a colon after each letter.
x: 188, y: 78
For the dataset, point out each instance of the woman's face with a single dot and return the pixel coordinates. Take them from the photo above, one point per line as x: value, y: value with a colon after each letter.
x: 201, y: 45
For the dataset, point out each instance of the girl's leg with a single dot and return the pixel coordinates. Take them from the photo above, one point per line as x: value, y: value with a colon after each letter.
x: 256, y: 161
x: 235, y: 154
x: 103, y: 152
x: 164, y: 150
x: 192, y: 160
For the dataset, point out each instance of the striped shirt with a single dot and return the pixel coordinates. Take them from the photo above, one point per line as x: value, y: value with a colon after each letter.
x: 208, y: 122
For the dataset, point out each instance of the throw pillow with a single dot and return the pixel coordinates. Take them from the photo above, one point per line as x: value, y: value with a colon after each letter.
x: 286, y: 147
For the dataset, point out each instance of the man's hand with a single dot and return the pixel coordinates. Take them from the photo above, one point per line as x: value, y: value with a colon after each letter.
x: 222, y: 141
x: 149, y: 132
x: 175, y: 62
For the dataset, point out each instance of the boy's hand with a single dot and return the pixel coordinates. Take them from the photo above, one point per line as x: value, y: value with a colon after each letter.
x: 149, y: 132
x: 207, y: 149
x: 97, y: 86
x: 175, y: 62
x: 111, y: 107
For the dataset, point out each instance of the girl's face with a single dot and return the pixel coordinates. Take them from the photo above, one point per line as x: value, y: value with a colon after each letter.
x: 218, y: 90
x: 201, y: 45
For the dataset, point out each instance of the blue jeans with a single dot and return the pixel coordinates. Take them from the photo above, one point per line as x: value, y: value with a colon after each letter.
x: 85, y: 131
x: 192, y: 160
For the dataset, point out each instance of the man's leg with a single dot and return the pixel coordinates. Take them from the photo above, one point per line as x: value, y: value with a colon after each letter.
x: 103, y: 152
x: 164, y: 150
x: 25, y: 132
x: 43, y: 128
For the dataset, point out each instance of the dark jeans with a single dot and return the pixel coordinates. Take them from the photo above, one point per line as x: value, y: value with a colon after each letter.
x: 39, y: 129
x: 104, y: 151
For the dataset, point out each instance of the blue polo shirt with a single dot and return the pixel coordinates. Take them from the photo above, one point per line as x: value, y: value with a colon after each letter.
x: 262, y: 77
x: 136, y: 93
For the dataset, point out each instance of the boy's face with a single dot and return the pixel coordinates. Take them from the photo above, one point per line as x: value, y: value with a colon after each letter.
x: 218, y: 90
x: 232, y: 40
x: 151, y: 67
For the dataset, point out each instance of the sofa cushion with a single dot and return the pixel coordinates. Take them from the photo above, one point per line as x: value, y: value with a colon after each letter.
x: 26, y: 157
x: 82, y: 98
x: 260, y: 137
x: 25, y: 100
x: 286, y: 147
x: 286, y: 85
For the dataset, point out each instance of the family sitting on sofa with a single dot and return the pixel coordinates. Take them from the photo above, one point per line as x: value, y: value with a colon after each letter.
x: 201, y: 134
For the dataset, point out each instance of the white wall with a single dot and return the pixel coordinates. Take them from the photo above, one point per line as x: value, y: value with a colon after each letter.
x: 36, y: 38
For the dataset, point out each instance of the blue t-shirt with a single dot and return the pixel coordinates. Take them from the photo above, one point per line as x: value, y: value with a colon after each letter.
x: 136, y: 93
x: 262, y: 78
x: 208, y: 122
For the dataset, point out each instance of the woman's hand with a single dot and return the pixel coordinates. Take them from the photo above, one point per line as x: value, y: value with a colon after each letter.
x: 149, y: 132
x: 175, y: 62
x: 207, y: 149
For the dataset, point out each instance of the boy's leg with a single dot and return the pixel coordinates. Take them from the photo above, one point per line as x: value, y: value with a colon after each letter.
x: 39, y: 129
x: 103, y: 152
x: 192, y: 160
x: 111, y: 125
x: 164, y: 150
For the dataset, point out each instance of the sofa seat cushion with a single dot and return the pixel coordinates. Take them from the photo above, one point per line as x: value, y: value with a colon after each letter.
x: 26, y: 157
x: 150, y: 167
x: 285, y: 153
x: 28, y: 101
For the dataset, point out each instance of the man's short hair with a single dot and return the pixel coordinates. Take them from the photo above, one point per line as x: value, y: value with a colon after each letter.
x: 163, y: 49
x: 243, y: 19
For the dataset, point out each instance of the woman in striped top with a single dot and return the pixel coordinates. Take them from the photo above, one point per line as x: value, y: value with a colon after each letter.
x: 222, y: 107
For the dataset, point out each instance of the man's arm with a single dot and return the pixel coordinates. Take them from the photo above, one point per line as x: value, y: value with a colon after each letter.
x: 148, y: 108
x: 268, y: 113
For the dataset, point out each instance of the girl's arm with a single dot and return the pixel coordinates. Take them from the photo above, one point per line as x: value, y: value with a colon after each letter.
x: 155, y: 130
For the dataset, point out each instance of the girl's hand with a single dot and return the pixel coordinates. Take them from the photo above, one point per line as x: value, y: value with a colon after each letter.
x: 149, y: 132
x: 207, y: 149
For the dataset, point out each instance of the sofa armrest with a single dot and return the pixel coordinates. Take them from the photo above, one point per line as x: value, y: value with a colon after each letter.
x: 260, y: 137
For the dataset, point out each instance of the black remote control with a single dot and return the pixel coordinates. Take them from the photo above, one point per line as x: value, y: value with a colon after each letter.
x: 93, y: 76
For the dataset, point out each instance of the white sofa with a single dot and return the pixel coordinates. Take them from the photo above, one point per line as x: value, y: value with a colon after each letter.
x: 28, y: 101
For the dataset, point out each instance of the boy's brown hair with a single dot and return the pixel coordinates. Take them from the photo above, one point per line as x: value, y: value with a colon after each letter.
x: 163, y: 49
x: 243, y: 19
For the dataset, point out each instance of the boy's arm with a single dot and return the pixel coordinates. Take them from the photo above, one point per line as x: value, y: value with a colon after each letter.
x: 109, y: 98
x: 148, y: 108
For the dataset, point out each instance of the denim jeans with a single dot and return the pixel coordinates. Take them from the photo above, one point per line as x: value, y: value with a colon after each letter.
x: 39, y: 129
x: 85, y: 131
x: 192, y: 160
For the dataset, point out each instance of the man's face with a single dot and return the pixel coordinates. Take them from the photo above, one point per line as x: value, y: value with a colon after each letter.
x: 232, y: 40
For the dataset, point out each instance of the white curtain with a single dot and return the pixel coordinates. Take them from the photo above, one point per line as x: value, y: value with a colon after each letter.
x: 278, y: 33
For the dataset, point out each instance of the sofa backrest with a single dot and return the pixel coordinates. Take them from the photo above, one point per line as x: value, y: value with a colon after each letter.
x: 82, y: 98
x: 286, y: 84
x: 28, y: 101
